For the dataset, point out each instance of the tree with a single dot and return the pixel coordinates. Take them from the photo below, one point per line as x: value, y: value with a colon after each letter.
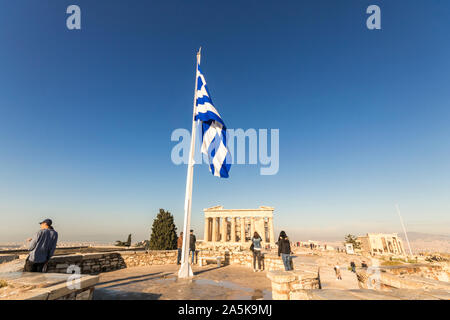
x: 353, y: 240
x: 164, y: 232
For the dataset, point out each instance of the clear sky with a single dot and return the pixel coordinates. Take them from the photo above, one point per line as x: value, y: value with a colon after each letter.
x: 86, y: 115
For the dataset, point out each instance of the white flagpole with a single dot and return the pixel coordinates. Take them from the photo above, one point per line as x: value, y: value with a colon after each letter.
x: 404, y: 229
x: 185, y: 269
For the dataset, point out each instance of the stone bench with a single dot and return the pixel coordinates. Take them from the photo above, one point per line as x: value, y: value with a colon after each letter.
x: 47, y: 286
x: 203, y: 261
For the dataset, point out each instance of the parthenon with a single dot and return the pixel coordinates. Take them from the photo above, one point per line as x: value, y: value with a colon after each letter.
x: 238, y: 225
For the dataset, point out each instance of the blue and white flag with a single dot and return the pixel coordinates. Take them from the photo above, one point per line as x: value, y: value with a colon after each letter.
x: 214, y: 131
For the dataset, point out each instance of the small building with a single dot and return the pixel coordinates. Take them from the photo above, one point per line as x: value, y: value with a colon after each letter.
x: 382, y: 244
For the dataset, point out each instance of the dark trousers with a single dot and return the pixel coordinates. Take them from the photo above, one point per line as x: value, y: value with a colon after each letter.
x: 179, y: 256
x: 31, y: 266
x: 257, y: 256
x: 193, y: 255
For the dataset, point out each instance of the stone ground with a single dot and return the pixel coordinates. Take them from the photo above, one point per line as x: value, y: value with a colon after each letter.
x: 161, y: 282
x: 328, y: 279
x: 307, y: 261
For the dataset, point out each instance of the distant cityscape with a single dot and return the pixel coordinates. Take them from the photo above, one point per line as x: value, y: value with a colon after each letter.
x: 62, y: 244
x: 420, y: 242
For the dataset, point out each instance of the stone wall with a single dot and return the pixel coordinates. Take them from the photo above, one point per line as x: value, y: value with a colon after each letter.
x: 149, y: 258
x: 93, y: 263
x: 436, y: 271
x: 8, y: 257
x: 90, y: 263
x: 245, y: 258
x: 387, y: 278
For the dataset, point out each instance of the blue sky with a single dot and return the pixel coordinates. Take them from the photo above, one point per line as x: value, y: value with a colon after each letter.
x: 86, y: 116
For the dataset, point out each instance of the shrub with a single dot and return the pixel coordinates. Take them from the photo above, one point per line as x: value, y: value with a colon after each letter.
x: 3, y: 283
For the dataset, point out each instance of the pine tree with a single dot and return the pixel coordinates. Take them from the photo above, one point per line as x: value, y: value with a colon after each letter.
x: 353, y: 240
x: 164, y: 232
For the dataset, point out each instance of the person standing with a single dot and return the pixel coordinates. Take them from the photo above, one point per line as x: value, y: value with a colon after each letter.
x: 179, y: 247
x: 284, y: 249
x: 256, y: 248
x: 42, y: 247
x: 192, y: 240
x: 353, y: 266
x: 337, y: 270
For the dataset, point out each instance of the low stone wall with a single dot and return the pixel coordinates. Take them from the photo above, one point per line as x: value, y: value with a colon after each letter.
x: 430, y: 271
x: 93, y: 263
x: 90, y: 263
x: 269, y: 261
x: 292, y: 285
x: 381, y: 279
x: 149, y: 258
x: 8, y: 257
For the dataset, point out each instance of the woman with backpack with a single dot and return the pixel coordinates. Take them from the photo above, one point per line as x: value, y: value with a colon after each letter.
x: 256, y: 248
x: 284, y: 249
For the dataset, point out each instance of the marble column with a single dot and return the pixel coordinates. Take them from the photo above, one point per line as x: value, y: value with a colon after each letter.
x: 206, y: 231
x: 259, y: 227
x: 224, y: 229
x: 271, y: 235
x: 242, y: 222
x: 233, y: 229
x: 214, y: 229
x: 252, y: 226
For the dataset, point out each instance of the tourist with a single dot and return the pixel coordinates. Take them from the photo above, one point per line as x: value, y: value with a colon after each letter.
x: 179, y: 247
x: 41, y: 248
x: 337, y: 270
x: 364, y: 264
x: 284, y: 249
x: 353, y: 266
x: 256, y: 248
x: 192, y: 241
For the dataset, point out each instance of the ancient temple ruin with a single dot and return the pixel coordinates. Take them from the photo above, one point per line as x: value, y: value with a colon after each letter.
x: 382, y: 244
x: 238, y: 225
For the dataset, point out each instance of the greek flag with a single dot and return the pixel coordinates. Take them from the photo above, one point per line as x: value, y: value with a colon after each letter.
x: 214, y: 137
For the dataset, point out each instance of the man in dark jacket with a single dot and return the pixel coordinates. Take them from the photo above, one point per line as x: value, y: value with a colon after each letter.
x: 353, y: 266
x: 41, y: 247
x: 284, y: 249
x: 192, y: 240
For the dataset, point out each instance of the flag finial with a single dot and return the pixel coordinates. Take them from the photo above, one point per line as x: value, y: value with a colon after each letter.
x: 199, y: 54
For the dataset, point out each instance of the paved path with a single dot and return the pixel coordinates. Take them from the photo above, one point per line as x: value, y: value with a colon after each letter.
x: 328, y: 279
x: 327, y: 275
x: 161, y: 282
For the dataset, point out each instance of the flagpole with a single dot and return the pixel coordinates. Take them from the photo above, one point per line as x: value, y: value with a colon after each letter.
x: 404, y: 229
x: 185, y: 269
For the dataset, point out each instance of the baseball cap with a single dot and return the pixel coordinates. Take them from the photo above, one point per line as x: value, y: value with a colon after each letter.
x: 47, y: 222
